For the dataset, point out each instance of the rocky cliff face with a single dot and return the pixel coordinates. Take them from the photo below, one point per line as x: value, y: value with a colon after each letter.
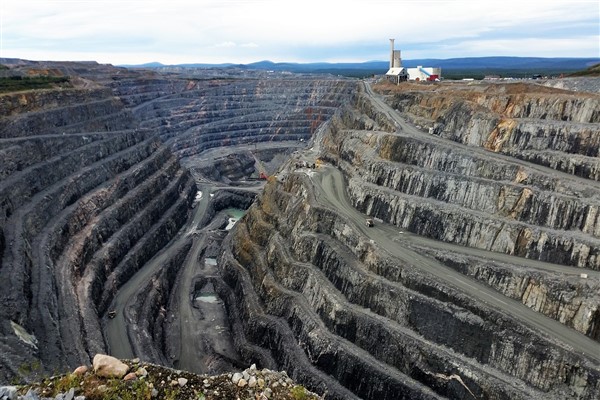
x: 86, y: 199
x: 469, y: 284
x: 90, y: 194
x: 551, y: 127
x: 318, y: 293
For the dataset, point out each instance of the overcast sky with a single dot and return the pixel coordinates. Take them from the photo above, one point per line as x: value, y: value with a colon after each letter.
x: 215, y: 31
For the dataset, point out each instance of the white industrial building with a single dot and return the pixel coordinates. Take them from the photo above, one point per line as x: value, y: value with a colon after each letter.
x: 424, y: 74
x: 397, y: 73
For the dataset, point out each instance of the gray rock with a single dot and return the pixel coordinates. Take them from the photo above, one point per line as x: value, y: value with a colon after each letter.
x: 236, y: 377
x: 252, y: 382
x: 70, y: 394
x: 8, y: 392
x: 31, y: 395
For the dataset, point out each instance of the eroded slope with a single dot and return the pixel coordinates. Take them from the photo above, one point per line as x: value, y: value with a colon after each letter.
x: 387, y: 312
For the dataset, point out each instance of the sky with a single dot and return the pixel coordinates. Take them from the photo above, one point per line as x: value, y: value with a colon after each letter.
x: 236, y: 31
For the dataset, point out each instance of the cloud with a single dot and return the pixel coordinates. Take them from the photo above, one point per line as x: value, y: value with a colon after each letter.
x: 226, y: 44
x: 283, y: 30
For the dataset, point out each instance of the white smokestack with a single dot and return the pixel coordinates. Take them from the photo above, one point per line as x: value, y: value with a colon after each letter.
x: 397, y: 59
x: 391, y: 53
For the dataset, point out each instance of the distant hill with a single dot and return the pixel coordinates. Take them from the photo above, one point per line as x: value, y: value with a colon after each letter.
x: 594, y: 70
x: 478, y: 66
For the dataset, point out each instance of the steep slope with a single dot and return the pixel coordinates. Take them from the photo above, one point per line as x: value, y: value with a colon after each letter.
x: 90, y: 195
x: 389, y: 313
x: 86, y: 199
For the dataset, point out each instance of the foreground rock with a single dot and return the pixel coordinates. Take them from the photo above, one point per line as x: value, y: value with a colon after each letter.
x: 109, y: 367
x: 159, y: 383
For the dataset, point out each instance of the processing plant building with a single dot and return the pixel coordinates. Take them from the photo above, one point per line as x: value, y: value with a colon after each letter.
x: 397, y: 73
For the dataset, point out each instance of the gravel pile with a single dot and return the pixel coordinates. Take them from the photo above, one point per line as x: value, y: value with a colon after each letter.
x: 579, y: 84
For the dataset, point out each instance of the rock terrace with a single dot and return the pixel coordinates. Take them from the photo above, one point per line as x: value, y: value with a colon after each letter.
x: 479, y: 277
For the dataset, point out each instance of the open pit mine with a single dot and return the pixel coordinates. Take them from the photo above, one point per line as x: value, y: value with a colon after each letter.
x: 376, y: 241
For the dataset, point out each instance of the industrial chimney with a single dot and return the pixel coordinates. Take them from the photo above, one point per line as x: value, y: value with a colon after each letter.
x: 391, y: 53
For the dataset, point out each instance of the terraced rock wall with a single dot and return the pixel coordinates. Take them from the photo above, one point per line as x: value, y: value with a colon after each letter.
x: 89, y: 193
x: 472, y: 199
x: 336, y: 294
x: 327, y: 303
x: 84, y: 204
x: 193, y: 116
x: 464, y: 197
x: 551, y: 127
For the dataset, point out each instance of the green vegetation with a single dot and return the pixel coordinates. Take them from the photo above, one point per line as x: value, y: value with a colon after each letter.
x: 594, y: 70
x: 94, y: 388
x: 3, y: 67
x: 299, y: 393
x: 18, y: 83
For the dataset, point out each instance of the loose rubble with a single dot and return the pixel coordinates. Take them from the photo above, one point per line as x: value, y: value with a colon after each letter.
x: 156, y: 382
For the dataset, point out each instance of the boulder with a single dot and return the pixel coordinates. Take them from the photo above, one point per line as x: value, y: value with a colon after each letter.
x: 81, y: 370
x: 109, y: 367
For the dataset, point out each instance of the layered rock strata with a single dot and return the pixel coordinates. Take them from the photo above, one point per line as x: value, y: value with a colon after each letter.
x: 551, y: 127
x: 86, y: 198
x: 330, y: 303
x: 90, y: 195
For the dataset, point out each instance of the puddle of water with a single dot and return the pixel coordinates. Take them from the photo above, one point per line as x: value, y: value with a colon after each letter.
x: 210, y: 261
x: 207, y: 298
x: 234, y: 215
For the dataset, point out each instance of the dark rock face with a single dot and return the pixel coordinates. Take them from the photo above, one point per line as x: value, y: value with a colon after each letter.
x: 311, y: 282
x: 83, y: 207
x: 112, y: 195
x: 89, y: 194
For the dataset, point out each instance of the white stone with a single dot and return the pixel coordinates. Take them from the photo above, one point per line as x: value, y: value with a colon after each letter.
x: 236, y: 377
x: 182, y: 381
x: 109, y: 367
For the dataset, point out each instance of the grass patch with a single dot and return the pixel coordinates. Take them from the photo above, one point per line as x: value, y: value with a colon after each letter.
x: 594, y: 70
x: 298, y: 392
x: 18, y: 83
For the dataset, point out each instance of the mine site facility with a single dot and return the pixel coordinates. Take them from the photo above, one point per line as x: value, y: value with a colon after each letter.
x: 407, y: 237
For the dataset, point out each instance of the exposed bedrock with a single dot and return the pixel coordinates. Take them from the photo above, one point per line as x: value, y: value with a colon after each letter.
x: 307, y: 278
x: 468, y: 198
x: 337, y: 292
x: 83, y: 207
x: 570, y: 300
x: 146, y: 316
x: 197, y: 115
x: 90, y: 194
x: 551, y: 127
x: 454, y: 194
